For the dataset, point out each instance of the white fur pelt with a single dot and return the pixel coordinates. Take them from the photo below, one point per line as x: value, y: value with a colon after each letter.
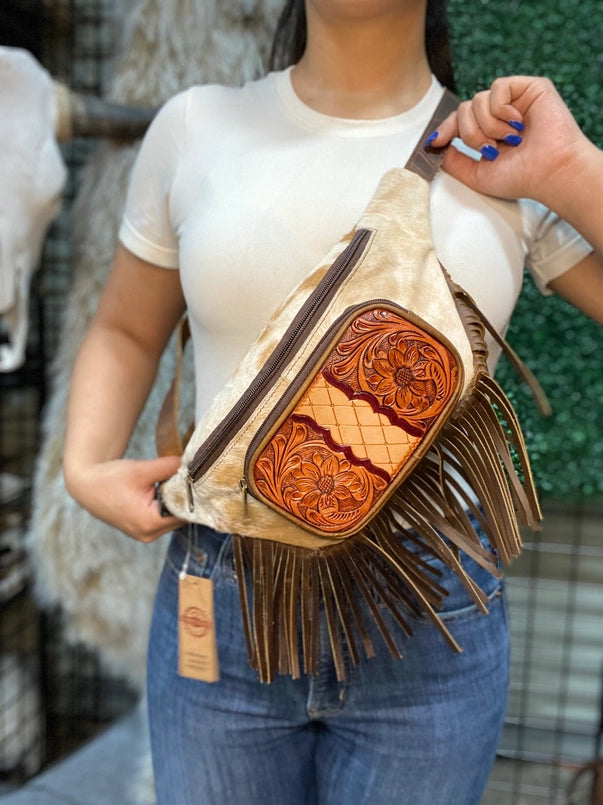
x: 104, y: 582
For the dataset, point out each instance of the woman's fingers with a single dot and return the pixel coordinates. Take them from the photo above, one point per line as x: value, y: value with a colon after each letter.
x: 478, y: 128
x: 528, y: 139
x: 447, y: 131
x: 494, y: 123
x: 122, y: 493
x: 151, y: 523
x: 504, y: 93
x: 482, y: 125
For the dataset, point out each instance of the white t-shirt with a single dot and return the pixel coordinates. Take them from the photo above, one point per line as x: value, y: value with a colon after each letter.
x: 246, y: 189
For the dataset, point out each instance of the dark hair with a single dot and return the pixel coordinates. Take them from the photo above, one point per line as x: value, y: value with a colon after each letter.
x: 289, y: 40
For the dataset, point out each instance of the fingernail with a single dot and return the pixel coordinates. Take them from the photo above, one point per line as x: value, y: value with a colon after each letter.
x: 489, y: 152
x: 433, y: 136
x: 513, y: 139
x: 517, y: 125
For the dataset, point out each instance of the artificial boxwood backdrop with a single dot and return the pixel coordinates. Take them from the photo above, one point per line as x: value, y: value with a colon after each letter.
x: 562, y: 39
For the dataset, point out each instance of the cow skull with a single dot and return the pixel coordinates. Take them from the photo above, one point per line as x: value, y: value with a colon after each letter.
x: 35, y: 112
x: 32, y: 175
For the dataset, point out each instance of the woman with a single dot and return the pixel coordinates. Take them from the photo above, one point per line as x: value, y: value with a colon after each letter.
x: 244, y: 190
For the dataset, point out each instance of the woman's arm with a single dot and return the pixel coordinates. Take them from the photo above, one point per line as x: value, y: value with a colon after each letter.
x: 112, y: 377
x: 553, y: 162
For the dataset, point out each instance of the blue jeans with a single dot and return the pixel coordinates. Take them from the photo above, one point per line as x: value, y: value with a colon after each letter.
x: 418, y: 731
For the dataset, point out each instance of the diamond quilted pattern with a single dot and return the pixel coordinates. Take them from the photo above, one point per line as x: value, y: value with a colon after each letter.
x: 353, y: 423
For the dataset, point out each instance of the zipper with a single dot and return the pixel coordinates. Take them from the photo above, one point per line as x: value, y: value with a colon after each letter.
x: 294, y: 336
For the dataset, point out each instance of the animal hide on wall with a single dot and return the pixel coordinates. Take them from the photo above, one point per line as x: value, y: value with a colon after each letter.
x: 103, y: 581
x: 33, y: 176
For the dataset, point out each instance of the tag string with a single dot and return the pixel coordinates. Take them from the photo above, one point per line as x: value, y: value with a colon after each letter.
x: 189, y: 536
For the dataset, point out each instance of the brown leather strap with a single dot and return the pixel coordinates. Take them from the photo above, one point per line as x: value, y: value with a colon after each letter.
x: 168, y: 440
x: 426, y: 161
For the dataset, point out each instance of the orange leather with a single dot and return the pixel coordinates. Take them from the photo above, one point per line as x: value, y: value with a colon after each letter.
x: 355, y: 429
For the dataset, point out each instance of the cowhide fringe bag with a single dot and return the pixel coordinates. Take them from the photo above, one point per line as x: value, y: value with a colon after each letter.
x: 364, y: 412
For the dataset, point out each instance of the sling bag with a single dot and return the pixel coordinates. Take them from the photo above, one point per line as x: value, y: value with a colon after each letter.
x: 363, y: 412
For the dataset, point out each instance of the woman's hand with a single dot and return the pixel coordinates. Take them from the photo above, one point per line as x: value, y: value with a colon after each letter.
x: 531, y: 144
x: 122, y: 493
x: 533, y: 148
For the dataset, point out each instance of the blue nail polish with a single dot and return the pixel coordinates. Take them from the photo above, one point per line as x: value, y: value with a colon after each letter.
x: 489, y: 152
x: 517, y: 125
x: 513, y: 139
x: 433, y: 136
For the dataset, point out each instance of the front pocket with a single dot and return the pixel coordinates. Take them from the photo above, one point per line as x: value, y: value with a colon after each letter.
x: 184, y: 553
x: 361, y: 413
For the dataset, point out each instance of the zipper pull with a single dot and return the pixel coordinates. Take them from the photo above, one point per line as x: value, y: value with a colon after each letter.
x: 189, y: 493
x: 243, y: 487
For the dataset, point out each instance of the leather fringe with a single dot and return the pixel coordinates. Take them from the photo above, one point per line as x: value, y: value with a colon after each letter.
x: 284, y: 588
x: 478, y: 464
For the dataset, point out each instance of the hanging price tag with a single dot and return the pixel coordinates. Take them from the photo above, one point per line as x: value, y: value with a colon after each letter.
x: 197, y: 647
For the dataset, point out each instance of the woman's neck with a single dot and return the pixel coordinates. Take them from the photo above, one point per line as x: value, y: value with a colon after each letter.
x: 356, y: 66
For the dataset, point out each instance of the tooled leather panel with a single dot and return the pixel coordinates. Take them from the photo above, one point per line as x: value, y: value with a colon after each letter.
x: 363, y: 416
x: 304, y: 473
x: 395, y: 365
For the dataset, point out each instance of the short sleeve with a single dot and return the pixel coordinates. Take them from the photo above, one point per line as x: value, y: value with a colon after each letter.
x: 146, y: 228
x: 553, y: 245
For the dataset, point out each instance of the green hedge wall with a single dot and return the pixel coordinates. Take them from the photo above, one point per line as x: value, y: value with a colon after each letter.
x: 562, y: 39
